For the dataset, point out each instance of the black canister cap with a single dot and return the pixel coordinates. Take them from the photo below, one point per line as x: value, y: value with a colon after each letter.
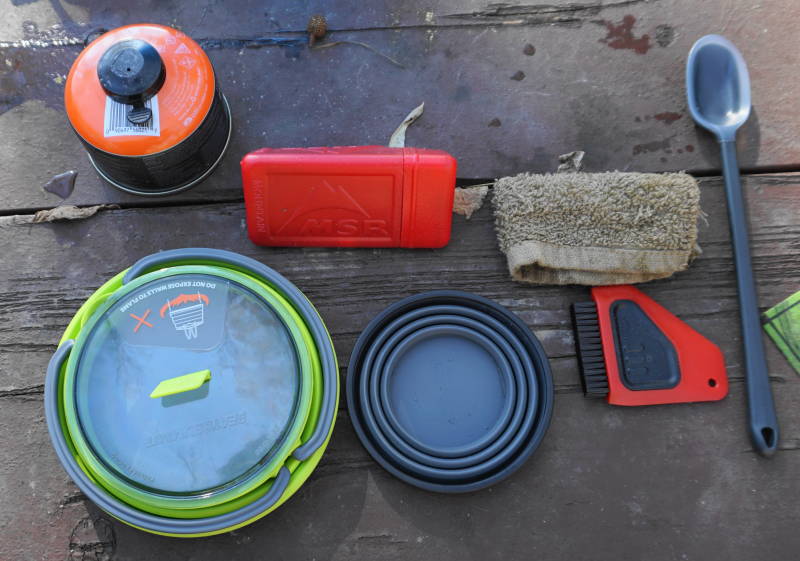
x: 131, y: 72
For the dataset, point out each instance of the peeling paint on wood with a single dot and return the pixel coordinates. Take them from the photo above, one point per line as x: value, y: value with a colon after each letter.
x: 652, y: 146
x: 569, y: 14
x: 667, y: 117
x: 620, y: 36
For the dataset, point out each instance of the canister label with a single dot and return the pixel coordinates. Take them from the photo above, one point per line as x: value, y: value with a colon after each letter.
x: 115, y: 120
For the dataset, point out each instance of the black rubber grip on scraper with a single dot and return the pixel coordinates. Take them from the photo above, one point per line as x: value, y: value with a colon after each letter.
x: 646, y: 358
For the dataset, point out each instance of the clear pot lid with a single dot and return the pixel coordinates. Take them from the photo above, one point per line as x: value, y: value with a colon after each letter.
x: 189, y: 384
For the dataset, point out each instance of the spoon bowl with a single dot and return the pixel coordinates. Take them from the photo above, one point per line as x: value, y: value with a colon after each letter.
x: 718, y: 86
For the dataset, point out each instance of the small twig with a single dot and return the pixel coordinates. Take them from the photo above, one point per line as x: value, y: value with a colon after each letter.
x: 360, y: 44
x: 489, y: 184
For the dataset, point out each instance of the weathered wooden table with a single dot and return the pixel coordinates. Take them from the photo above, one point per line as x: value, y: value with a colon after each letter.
x: 507, y: 88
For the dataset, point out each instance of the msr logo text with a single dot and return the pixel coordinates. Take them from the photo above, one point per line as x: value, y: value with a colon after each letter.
x: 368, y: 227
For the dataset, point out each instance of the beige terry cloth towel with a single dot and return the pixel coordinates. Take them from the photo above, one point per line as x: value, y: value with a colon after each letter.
x: 596, y: 228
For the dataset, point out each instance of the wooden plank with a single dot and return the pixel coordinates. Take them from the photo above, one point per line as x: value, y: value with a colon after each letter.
x: 667, y: 482
x: 608, y: 483
x: 586, y: 85
x: 42, y: 282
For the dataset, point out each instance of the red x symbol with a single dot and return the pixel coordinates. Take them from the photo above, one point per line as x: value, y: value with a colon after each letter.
x: 141, y: 320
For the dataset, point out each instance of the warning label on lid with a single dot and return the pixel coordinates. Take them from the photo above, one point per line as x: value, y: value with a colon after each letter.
x: 116, y: 123
x: 187, y: 313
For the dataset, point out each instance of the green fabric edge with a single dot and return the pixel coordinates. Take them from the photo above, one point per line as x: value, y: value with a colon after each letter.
x: 774, y: 333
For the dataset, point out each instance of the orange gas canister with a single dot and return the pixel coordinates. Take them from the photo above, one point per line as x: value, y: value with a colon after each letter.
x: 144, y: 101
x: 349, y: 196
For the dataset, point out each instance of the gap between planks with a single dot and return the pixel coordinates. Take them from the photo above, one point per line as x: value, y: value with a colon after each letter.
x: 771, y: 174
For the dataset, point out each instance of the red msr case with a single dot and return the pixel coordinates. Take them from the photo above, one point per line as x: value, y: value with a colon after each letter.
x: 349, y: 196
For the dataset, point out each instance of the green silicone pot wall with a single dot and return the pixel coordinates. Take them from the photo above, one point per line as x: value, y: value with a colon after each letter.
x: 300, y: 470
x: 205, y: 506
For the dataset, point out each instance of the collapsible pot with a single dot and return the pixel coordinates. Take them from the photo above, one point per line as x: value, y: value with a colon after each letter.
x: 449, y: 391
x: 144, y: 101
x: 193, y: 393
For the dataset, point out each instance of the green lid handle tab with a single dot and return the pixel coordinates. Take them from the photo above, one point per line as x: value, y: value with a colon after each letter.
x: 180, y: 384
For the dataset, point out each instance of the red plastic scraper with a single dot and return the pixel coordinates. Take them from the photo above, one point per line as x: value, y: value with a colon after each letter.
x: 633, y: 351
x: 349, y: 196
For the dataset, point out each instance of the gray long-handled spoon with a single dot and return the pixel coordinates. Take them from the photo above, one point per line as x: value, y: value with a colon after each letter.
x: 718, y: 88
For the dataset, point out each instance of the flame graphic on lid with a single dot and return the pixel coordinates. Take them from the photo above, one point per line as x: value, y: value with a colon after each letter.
x: 182, y: 299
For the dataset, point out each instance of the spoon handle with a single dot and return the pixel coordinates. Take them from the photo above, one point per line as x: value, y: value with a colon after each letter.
x: 763, y: 421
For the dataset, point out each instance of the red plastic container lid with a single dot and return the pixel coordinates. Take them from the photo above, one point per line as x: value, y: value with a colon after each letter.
x: 349, y: 196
